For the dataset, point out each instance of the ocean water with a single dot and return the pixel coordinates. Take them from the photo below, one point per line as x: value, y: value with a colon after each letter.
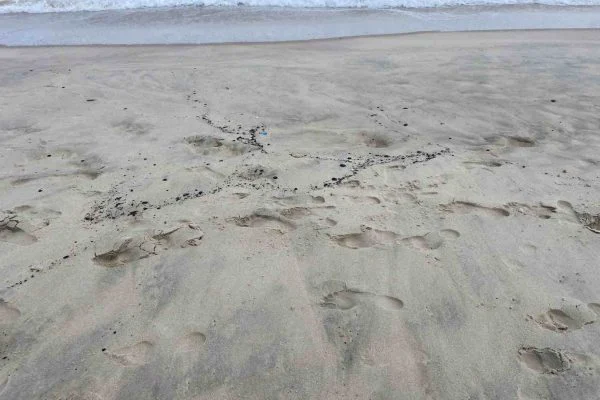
x: 132, y: 22
x: 44, y: 6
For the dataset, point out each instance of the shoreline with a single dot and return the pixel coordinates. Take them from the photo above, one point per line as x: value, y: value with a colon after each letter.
x: 256, y: 25
x: 307, y: 41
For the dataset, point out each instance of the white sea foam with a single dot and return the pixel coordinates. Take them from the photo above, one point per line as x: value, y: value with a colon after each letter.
x: 41, y: 6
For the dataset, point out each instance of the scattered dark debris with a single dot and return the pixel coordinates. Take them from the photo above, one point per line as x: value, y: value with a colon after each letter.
x: 378, y: 159
x: 117, y: 205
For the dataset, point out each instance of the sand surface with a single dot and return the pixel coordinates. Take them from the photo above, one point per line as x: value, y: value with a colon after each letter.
x: 409, y: 217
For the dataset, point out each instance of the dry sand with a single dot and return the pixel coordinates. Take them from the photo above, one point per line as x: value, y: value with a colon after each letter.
x: 408, y: 217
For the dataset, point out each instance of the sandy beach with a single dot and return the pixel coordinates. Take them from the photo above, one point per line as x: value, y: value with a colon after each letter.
x: 394, y: 217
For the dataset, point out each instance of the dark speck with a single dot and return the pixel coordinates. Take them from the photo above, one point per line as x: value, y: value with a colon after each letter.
x: 90, y: 100
x: 342, y: 165
x: 553, y: 101
x: 274, y: 177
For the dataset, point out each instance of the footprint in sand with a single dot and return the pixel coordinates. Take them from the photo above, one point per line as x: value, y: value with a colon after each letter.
x: 299, y: 200
x: 511, y: 142
x: 544, y: 361
x: 254, y: 172
x: 8, y: 313
x: 540, y: 211
x: 365, y: 200
x: 432, y: 240
x: 296, y: 212
x: 193, y: 341
x: 485, y: 163
x: 132, y: 127
x: 325, y: 223
x: 465, y: 207
x: 147, y: 244
x: 375, y: 140
x: 11, y: 230
x: 349, y: 298
x: 264, y: 219
x: 132, y: 356
x: 346, y: 299
x: 560, y: 321
x: 569, y: 317
x: 207, y: 145
x: 591, y: 222
x: 368, y: 237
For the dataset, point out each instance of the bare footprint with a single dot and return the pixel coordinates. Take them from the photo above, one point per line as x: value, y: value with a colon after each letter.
x: 486, y: 163
x: 147, y: 244
x: 264, y: 219
x: 465, y: 207
x: 131, y: 356
x: 541, y: 211
x: 591, y: 222
x: 347, y: 299
x: 432, y: 240
x: 388, y: 302
x: 125, y: 251
x: 544, y: 361
x: 193, y: 341
x: 360, y: 199
x: 8, y: 313
x: 295, y: 212
x: 508, y: 142
x: 299, y: 200
x: 11, y: 232
x: 560, y: 321
x: 368, y: 237
x: 375, y: 140
x: 519, y: 141
x: 254, y: 172
x: 210, y: 145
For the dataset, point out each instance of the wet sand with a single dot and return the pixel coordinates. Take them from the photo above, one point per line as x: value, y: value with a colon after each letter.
x: 398, y: 217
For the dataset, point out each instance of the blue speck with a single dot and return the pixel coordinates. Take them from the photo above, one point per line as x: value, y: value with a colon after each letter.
x: 263, y: 133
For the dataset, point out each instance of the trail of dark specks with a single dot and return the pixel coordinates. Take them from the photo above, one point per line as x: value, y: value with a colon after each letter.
x: 247, y: 137
x: 379, y: 159
x: 116, y: 204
